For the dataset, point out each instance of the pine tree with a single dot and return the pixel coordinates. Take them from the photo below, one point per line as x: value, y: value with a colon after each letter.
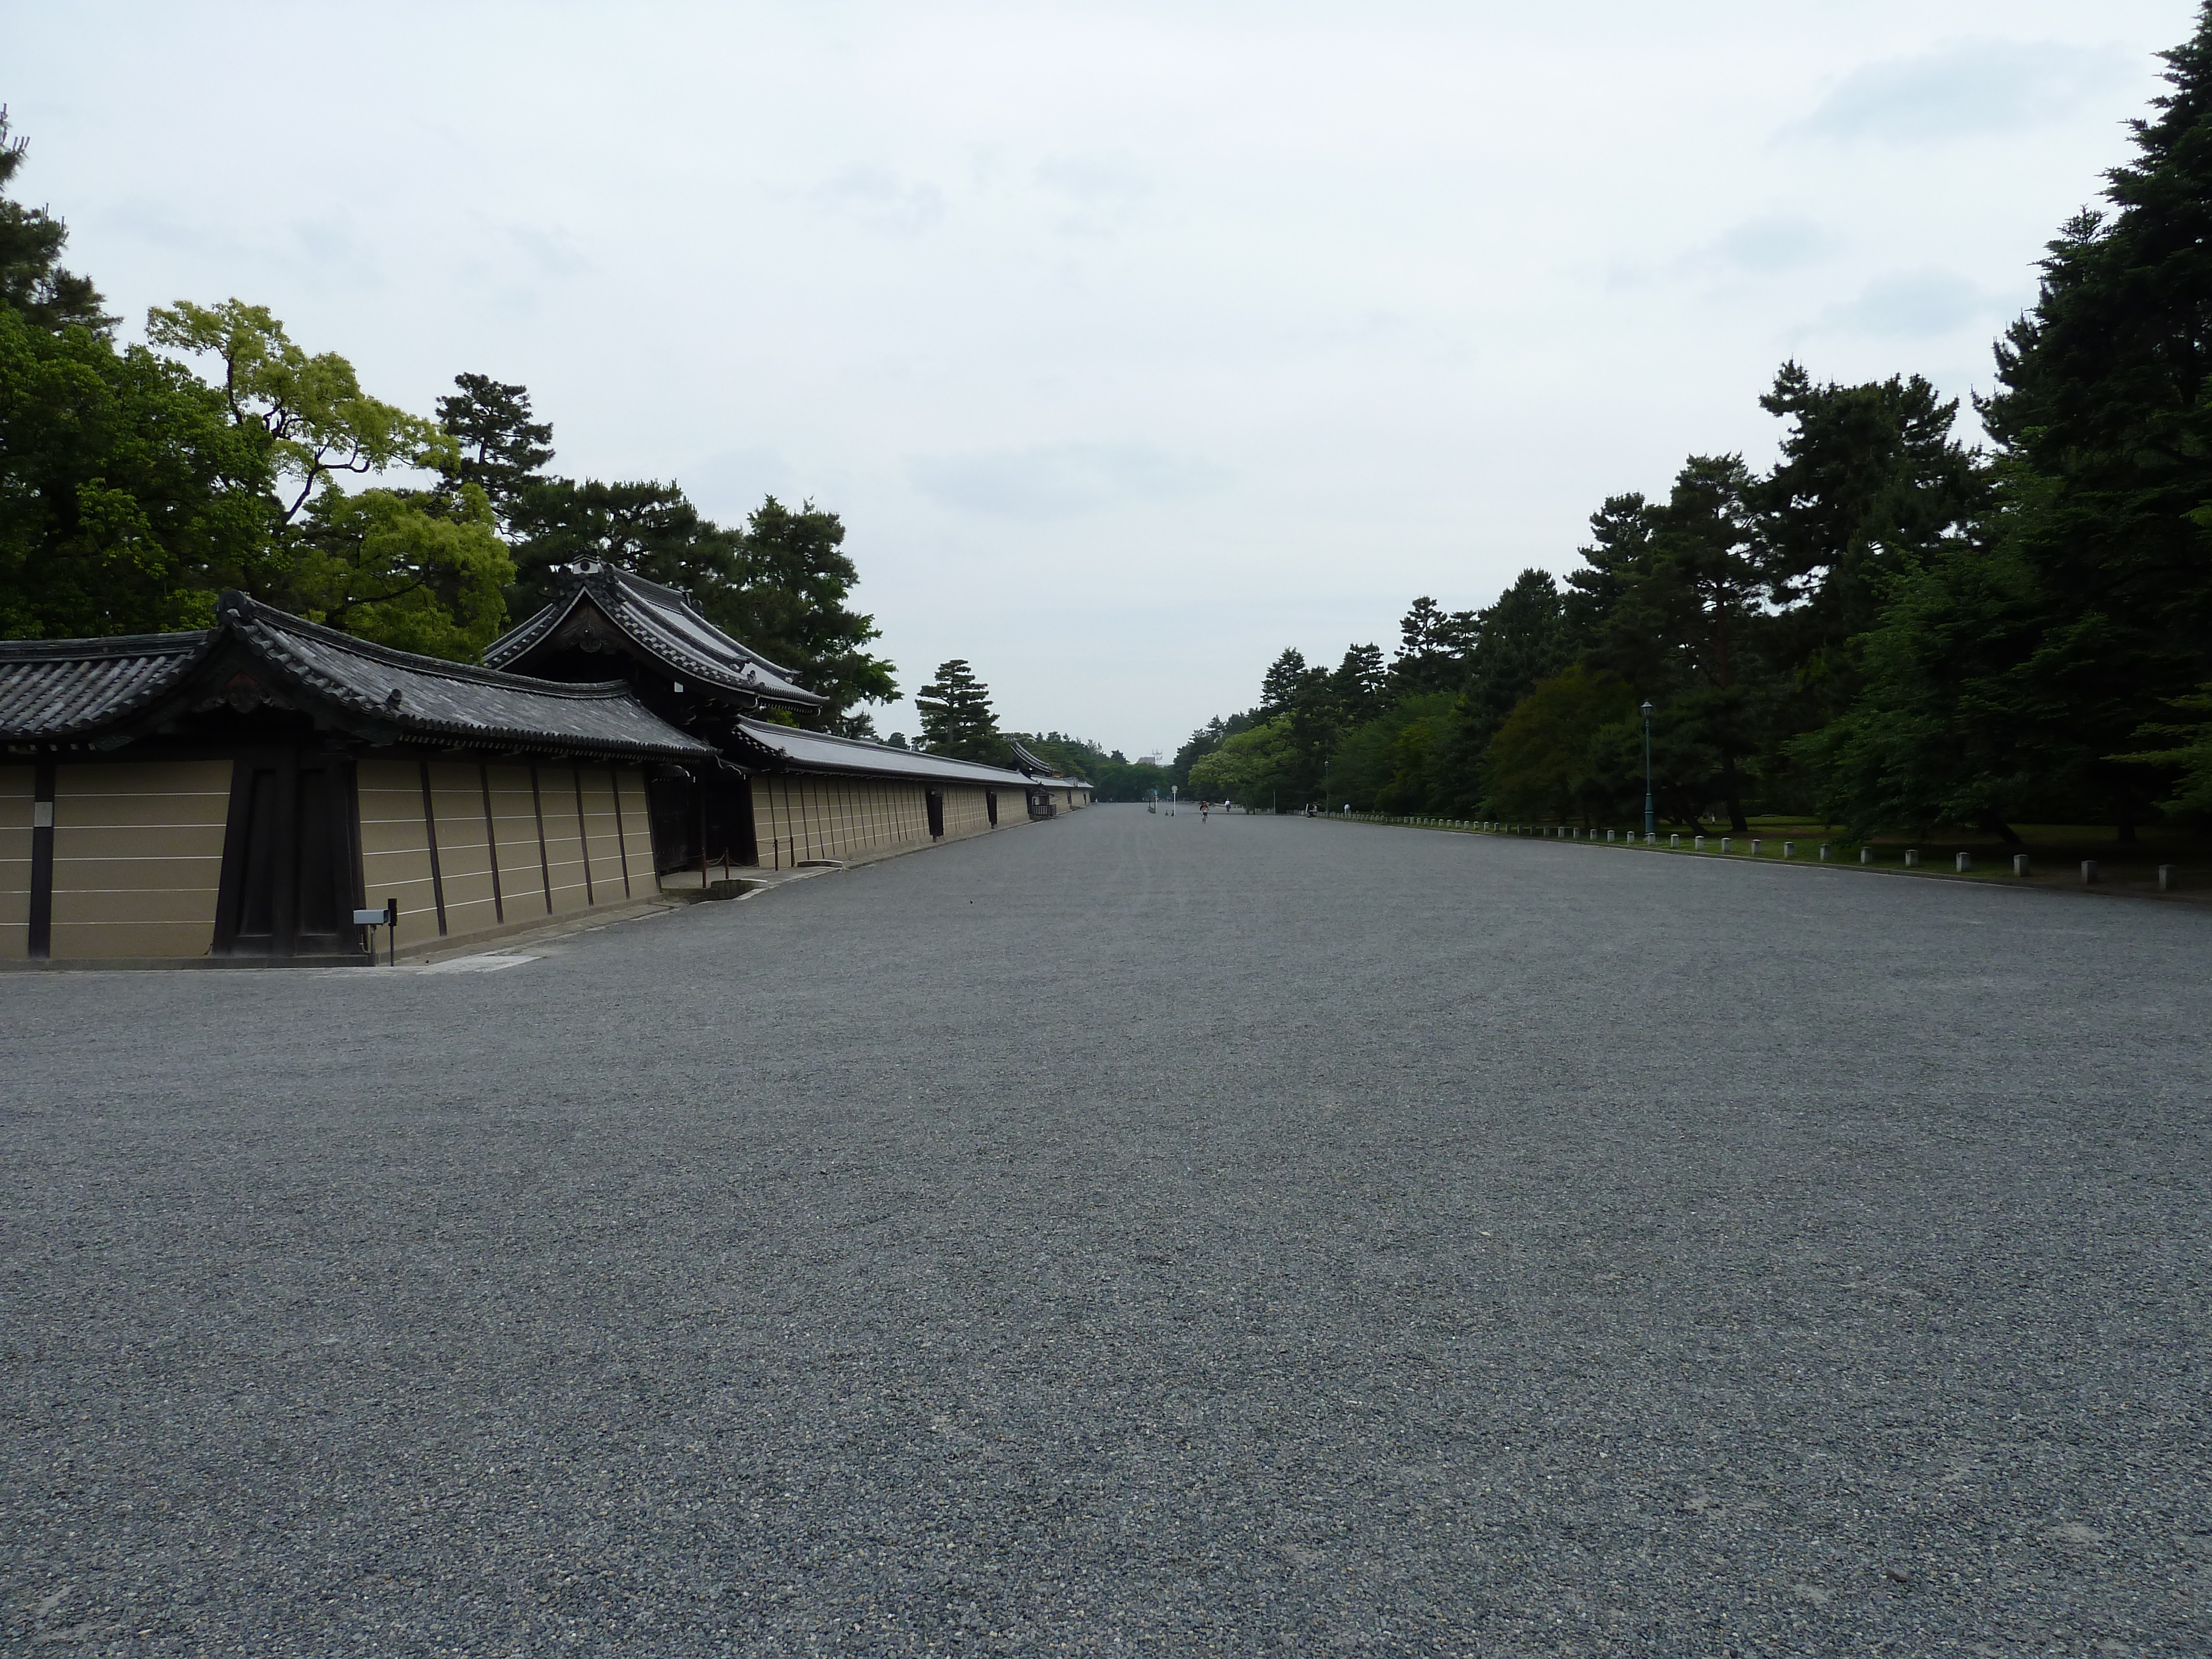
x: 502, y: 451
x: 2104, y: 426
x: 956, y: 716
x: 32, y: 280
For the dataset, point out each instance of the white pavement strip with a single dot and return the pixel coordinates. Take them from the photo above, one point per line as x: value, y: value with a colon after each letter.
x: 452, y: 965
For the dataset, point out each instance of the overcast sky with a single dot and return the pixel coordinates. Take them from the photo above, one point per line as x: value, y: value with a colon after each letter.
x: 1133, y: 341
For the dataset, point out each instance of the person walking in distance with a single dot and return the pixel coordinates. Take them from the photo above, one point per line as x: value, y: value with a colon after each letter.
x: 1202, y: 805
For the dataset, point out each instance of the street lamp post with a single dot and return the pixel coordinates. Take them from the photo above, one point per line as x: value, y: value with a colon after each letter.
x: 1648, y: 825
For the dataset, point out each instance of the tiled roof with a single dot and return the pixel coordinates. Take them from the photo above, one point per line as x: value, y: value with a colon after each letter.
x: 425, y: 696
x: 661, y: 622
x: 1043, y: 769
x: 764, y: 742
x: 54, y: 690
x: 57, y: 690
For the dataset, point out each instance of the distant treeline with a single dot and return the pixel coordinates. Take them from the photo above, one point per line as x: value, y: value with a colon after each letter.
x: 1889, y: 629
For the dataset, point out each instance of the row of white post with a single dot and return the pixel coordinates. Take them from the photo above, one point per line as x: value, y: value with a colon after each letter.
x: 1963, y: 863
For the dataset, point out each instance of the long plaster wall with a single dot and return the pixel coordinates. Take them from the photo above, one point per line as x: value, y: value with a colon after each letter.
x: 798, y: 818
x: 468, y: 849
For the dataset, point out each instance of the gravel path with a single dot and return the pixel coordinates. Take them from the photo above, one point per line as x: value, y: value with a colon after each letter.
x: 1129, y: 1234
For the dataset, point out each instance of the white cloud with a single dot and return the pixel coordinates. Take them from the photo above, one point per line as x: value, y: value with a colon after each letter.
x: 1968, y: 88
x: 1063, y: 480
x: 1912, y: 305
x: 1773, y: 242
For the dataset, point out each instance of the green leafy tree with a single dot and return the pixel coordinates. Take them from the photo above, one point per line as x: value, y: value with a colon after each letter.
x: 33, y: 284
x: 956, y: 719
x: 1521, y: 639
x: 1372, y: 770
x: 1262, y: 763
x: 376, y: 563
x: 1203, y: 741
x: 2188, y: 754
x: 318, y: 422
x: 1541, y: 762
x: 128, y: 499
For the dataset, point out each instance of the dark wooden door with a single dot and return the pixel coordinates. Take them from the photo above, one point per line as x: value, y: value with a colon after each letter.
x: 671, y: 803
x: 936, y: 813
x: 728, y: 817
x: 291, y: 874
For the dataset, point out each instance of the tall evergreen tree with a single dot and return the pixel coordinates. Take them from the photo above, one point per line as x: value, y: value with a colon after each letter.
x: 2028, y: 659
x: 497, y: 446
x: 1286, y: 680
x: 1433, y: 646
x: 956, y: 716
x: 33, y: 284
x: 794, y: 577
x: 1360, y: 684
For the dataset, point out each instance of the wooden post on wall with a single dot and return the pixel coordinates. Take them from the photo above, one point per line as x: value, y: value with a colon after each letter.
x: 40, y: 945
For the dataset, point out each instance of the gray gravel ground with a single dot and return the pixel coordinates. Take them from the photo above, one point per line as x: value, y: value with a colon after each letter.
x: 1129, y: 1234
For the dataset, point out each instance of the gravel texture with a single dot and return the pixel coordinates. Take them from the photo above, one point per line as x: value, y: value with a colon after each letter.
x: 1133, y: 1235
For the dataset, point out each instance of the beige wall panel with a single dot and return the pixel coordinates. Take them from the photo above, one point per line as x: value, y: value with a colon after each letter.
x: 137, y: 858
x: 637, y: 831
x: 564, y: 851
x: 395, y: 845
x: 100, y: 843
x: 464, y: 848
x: 519, y: 874
x: 117, y: 906
x: 601, y: 839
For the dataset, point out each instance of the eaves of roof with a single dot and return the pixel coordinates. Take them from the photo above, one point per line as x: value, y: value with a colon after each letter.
x: 70, y: 691
x: 660, y: 622
x: 767, y: 746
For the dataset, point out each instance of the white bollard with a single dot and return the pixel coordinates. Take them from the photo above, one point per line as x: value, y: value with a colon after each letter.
x: 1697, y: 843
x: 1966, y: 862
x: 1825, y: 848
x: 2089, y: 872
x: 1727, y: 845
x: 2166, y: 879
x: 1755, y: 846
x: 1866, y: 855
x: 1674, y: 840
x: 1788, y: 849
x: 1912, y: 858
x: 2019, y: 864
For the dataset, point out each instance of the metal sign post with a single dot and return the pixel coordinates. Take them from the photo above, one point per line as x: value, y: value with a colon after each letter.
x: 387, y: 918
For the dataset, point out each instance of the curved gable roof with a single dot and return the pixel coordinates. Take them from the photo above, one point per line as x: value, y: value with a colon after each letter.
x: 661, y: 623
x: 62, y: 690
